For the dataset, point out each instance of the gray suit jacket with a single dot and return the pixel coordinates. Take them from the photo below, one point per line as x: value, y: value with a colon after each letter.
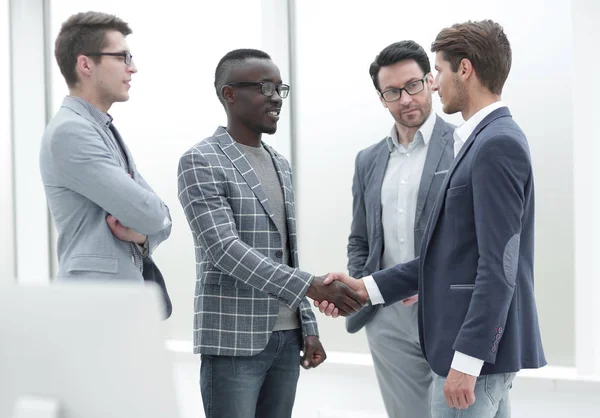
x: 239, y: 276
x: 365, y: 244
x: 85, y: 181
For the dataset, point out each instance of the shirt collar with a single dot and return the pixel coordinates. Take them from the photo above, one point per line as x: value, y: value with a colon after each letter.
x: 103, y: 119
x: 464, y: 131
x: 425, y: 132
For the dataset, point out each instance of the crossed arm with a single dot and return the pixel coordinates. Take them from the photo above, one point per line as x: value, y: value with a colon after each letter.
x: 88, y: 168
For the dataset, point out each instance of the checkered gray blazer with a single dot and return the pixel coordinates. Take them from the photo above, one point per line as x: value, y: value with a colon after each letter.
x: 239, y: 278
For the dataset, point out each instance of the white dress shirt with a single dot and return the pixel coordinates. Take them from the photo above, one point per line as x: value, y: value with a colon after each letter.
x: 461, y: 362
x: 399, y: 192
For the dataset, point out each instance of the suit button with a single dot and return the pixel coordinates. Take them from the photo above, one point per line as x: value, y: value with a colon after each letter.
x: 279, y: 254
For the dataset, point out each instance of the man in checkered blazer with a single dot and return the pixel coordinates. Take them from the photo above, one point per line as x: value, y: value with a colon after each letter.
x: 252, y: 317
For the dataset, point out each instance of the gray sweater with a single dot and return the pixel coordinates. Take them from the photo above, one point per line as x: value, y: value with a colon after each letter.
x: 262, y: 164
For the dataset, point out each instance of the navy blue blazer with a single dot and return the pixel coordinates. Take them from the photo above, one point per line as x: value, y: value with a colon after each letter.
x: 475, y: 272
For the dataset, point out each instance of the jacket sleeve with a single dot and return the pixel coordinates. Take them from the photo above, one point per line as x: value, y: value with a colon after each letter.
x: 154, y: 240
x: 203, y: 196
x: 399, y: 282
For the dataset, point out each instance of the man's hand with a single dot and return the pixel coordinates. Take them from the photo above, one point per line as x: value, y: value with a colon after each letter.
x: 327, y: 306
x: 345, y: 299
x: 459, y: 389
x: 124, y: 233
x: 410, y: 301
x: 314, y: 354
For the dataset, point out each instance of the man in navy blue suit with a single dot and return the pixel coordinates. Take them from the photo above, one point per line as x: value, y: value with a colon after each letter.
x: 478, y: 322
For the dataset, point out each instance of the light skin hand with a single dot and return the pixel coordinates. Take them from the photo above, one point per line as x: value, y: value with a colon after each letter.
x: 314, y: 353
x: 345, y: 299
x: 355, y: 284
x: 123, y: 233
x: 459, y: 389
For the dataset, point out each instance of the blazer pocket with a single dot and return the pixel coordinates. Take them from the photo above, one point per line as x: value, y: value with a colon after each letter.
x: 439, y: 173
x: 97, y: 263
x: 455, y: 191
x: 462, y: 286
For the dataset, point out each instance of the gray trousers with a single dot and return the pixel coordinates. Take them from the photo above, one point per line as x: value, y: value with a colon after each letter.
x: 403, y: 374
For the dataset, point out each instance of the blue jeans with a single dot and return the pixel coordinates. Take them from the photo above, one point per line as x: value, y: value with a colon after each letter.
x: 259, y: 386
x: 491, y: 398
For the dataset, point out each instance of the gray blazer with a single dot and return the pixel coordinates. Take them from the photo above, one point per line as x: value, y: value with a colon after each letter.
x: 85, y: 181
x: 239, y: 276
x: 365, y: 244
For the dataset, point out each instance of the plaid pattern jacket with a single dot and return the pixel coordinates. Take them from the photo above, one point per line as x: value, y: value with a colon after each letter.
x: 239, y: 281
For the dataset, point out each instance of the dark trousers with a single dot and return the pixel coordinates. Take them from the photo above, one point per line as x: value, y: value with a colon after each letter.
x: 259, y: 386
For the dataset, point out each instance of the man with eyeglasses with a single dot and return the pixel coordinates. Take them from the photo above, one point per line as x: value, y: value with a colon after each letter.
x: 252, y: 318
x: 108, y: 219
x: 395, y: 185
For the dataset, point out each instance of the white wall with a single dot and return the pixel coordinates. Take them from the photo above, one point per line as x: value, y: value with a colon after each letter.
x: 7, y: 261
x: 587, y: 193
x: 339, y: 114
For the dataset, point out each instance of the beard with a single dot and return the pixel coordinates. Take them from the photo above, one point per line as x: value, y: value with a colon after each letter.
x: 458, y: 101
x: 416, y: 119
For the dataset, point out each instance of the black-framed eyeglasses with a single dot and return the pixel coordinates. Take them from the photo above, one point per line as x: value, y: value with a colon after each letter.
x: 411, y: 88
x: 125, y: 54
x: 267, y: 88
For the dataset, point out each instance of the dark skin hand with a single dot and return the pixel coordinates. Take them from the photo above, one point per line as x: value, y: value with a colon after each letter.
x: 341, y: 295
x: 314, y: 354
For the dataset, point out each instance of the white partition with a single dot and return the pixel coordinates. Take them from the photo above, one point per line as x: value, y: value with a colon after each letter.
x: 338, y: 114
x: 586, y: 191
x: 7, y: 255
x: 28, y: 111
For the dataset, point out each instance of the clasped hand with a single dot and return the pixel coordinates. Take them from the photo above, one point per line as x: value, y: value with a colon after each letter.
x: 338, y: 294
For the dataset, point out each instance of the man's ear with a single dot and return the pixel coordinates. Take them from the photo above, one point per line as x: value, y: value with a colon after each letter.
x: 84, y: 65
x: 228, y: 94
x: 383, y: 102
x: 465, y: 69
x: 430, y: 80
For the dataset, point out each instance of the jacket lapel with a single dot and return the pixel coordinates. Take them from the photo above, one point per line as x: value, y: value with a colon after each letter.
x: 432, y: 161
x: 381, y: 162
x: 285, y: 180
x: 233, y: 152
x: 121, y: 143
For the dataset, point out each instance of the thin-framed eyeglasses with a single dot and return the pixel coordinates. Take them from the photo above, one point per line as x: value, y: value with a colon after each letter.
x: 267, y: 88
x: 411, y: 88
x: 127, y: 57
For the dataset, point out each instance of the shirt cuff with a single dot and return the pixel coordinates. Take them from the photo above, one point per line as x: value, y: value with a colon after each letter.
x: 373, y: 290
x: 467, y: 364
x: 144, y: 250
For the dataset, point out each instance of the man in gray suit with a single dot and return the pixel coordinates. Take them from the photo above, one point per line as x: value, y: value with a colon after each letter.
x: 395, y: 185
x: 252, y: 318
x: 109, y: 221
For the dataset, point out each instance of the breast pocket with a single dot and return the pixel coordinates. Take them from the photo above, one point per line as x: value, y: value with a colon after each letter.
x: 456, y: 191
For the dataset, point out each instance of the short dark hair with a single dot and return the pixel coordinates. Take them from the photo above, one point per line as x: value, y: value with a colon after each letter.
x: 396, y: 52
x: 81, y: 33
x: 484, y: 43
x: 232, y: 59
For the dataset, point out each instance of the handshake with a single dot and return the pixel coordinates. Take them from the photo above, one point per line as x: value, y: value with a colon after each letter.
x: 338, y: 294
